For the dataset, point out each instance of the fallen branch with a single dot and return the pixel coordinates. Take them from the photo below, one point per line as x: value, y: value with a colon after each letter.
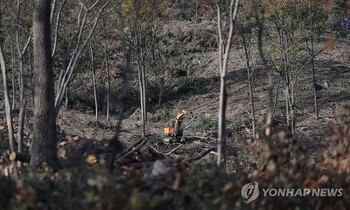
x: 130, y: 148
x: 200, y: 156
x: 134, y: 149
x: 155, y: 153
x: 173, y: 150
x: 22, y: 157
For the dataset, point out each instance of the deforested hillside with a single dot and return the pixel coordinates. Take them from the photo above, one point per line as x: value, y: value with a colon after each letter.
x: 167, y: 104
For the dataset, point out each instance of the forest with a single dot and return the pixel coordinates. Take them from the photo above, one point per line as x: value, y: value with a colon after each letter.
x: 174, y: 104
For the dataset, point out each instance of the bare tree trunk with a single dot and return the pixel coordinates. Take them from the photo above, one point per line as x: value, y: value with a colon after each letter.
x: 143, y: 74
x: 20, y: 125
x: 142, y: 82
x: 142, y: 100
x: 221, y: 162
x: 13, y: 90
x: 56, y: 24
x: 252, y: 106
x: 67, y: 97
x: 268, y: 126
x: 44, y: 150
x: 314, y: 77
x: 22, y: 100
x: 292, y: 108
x: 108, y: 103
x: 224, y: 52
x: 286, y: 92
x: 9, y: 118
x: 247, y: 51
x: 94, y: 84
x: 13, y: 78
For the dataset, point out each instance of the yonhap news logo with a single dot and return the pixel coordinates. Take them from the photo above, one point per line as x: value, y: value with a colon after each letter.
x: 250, y: 192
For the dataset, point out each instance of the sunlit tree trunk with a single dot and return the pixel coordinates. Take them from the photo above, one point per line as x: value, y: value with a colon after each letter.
x: 94, y: 83
x: 224, y: 52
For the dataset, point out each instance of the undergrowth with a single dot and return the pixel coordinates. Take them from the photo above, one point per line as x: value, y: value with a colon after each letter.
x: 198, y: 185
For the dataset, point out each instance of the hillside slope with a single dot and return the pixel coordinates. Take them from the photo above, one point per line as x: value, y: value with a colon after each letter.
x: 198, y: 92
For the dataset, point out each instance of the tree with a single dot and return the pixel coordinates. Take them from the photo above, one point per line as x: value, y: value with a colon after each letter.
x: 314, y: 29
x: 224, y: 52
x: 108, y: 96
x: 44, y: 143
x: 22, y: 99
x: 76, y: 43
x: 8, y: 111
x: 244, y: 27
x: 18, y: 36
x: 94, y: 83
x: 138, y: 25
x: 286, y: 45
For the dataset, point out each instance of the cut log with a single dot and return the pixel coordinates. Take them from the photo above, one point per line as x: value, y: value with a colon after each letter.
x: 91, y: 160
x: 22, y: 157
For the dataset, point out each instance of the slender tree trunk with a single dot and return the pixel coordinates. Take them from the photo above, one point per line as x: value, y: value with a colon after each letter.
x: 13, y: 90
x: 142, y: 85
x: 292, y: 109
x: 13, y: 78
x: 108, y: 103
x: 286, y: 92
x: 44, y: 150
x: 247, y: 52
x: 222, y: 123
x: 94, y: 84
x: 252, y: 105
x: 22, y: 100
x: 143, y: 74
x: 67, y: 97
x: 21, y: 106
x: 8, y: 111
x: 143, y: 133
x: 314, y: 77
x: 95, y: 94
x: 224, y: 52
x: 270, y: 113
x: 20, y: 125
